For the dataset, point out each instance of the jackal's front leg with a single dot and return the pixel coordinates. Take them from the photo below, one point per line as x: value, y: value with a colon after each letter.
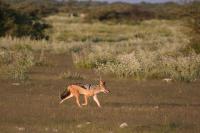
x: 77, y: 101
x: 66, y: 98
x: 96, y: 100
x: 86, y: 100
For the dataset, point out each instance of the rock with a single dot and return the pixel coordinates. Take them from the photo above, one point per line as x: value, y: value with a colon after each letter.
x: 87, y: 123
x: 21, y: 128
x: 46, y: 129
x: 167, y: 80
x: 16, y: 84
x: 55, y: 130
x: 79, y: 126
x: 123, y: 125
x: 156, y: 107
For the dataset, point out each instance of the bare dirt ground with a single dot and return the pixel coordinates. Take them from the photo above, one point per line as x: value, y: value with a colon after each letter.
x: 146, y: 106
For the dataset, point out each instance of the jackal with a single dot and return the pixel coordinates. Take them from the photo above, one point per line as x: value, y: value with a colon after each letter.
x: 85, y: 89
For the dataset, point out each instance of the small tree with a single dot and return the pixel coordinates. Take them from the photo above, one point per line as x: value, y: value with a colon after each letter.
x: 193, y: 10
x: 16, y: 23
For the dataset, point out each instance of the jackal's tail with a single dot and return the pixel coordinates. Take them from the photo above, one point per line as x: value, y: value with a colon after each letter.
x: 64, y: 94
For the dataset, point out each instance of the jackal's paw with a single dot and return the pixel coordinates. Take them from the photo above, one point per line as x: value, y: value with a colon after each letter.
x: 60, y: 102
x: 84, y: 104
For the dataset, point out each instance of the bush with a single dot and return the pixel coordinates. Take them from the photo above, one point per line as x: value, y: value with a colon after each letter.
x: 20, y: 24
x: 153, y: 51
x: 16, y: 62
x: 84, y: 59
x: 195, y: 43
x: 134, y: 13
x: 36, y: 8
x: 120, y: 13
x: 5, y: 56
x: 139, y: 66
x: 23, y: 60
x: 193, y: 11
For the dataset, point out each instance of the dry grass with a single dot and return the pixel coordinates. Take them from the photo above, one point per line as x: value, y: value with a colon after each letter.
x: 149, y: 107
x: 16, y: 62
x: 151, y: 49
x: 71, y: 76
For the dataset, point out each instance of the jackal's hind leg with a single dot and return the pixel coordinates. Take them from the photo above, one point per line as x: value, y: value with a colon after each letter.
x: 96, y: 100
x: 86, y: 100
x: 70, y: 96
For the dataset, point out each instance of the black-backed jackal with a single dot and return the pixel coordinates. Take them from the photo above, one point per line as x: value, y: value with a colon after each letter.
x: 74, y: 90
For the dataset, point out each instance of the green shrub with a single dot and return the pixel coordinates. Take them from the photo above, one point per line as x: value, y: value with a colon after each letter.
x: 22, y: 61
x: 120, y: 13
x: 16, y: 23
x: 83, y: 59
x: 195, y: 44
x: 180, y: 68
x: 194, y: 19
x: 5, y: 56
x: 134, y: 13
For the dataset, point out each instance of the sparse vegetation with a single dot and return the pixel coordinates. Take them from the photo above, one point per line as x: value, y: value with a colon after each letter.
x: 147, y: 52
x: 16, y: 62
x: 151, y: 50
x: 120, y: 42
x: 71, y: 75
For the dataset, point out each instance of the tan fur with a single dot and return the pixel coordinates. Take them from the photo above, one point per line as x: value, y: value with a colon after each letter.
x: 76, y: 90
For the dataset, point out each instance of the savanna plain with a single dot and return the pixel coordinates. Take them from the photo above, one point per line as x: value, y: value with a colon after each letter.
x: 133, y: 59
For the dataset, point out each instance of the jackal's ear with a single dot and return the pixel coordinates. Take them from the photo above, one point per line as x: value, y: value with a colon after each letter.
x: 102, y: 82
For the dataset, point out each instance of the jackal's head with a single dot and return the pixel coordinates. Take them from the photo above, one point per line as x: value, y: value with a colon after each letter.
x: 103, y: 88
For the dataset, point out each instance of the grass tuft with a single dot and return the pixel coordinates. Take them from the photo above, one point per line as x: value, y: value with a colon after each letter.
x: 71, y: 75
